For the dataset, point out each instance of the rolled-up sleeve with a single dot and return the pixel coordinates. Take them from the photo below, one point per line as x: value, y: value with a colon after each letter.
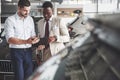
x: 9, y: 29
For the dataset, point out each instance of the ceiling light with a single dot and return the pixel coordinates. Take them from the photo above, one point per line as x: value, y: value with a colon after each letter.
x: 9, y: 0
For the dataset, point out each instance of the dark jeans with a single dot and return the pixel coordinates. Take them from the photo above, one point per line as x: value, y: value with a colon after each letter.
x: 22, y: 63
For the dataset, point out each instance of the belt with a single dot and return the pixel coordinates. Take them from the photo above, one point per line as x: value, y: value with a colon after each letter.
x: 22, y: 48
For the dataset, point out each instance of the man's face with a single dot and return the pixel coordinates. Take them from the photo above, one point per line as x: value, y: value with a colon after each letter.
x: 47, y: 13
x: 24, y: 12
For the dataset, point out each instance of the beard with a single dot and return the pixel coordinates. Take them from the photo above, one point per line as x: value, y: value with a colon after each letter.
x: 23, y: 15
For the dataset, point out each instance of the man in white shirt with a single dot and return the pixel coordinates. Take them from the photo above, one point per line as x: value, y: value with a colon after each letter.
x: 20, y: 34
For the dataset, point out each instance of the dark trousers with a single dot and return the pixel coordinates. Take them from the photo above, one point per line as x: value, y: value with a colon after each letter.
x: 22, y: 63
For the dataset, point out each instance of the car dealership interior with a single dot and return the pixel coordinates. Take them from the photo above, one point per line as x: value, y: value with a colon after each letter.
x: 93, y: 52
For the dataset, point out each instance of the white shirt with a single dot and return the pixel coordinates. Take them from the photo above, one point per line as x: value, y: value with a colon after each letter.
x: 44, y: 26
x: 19, y: 28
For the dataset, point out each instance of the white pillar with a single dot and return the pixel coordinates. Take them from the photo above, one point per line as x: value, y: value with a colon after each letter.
x: 55, y: 8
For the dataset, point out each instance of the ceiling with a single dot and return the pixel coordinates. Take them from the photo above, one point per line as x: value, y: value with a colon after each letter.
x: 10, y: 6
x: 32, y: 1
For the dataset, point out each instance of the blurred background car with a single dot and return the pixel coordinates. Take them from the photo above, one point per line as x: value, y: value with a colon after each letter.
x: 97, y: 58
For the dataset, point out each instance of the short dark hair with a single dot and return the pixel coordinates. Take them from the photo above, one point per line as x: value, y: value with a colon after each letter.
x: 47, y: 4
x: 22, y: 3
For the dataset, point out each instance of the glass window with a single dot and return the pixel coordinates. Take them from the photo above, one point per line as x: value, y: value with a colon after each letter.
x: 107, y: 5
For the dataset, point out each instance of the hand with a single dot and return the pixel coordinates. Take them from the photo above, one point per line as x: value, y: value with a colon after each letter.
x: 35, y: 40
x: 41, y: 47
x: 29, y: 41
x: 32, y: 40
x: 52, y: 39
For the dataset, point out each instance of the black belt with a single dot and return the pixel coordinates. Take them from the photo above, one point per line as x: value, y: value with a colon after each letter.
x: 22, y: 48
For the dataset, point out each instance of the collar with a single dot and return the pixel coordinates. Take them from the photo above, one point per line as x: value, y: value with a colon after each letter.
x: 18, y: 17
x: 50, y: 18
